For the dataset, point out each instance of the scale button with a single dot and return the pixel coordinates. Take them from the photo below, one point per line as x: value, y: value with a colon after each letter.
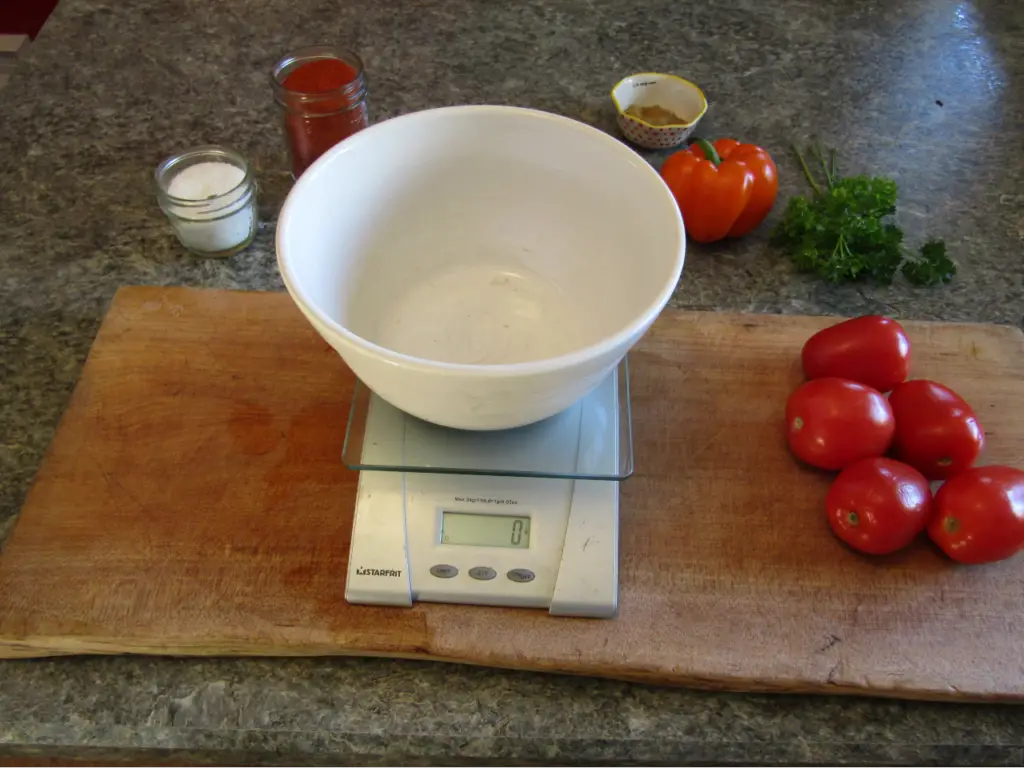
x: 482, y: 573
x: 521, y: 575
x: 444, y: 571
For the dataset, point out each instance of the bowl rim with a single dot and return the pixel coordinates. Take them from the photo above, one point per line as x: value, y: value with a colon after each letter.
x: 670, y: 126
x: 637, y: 325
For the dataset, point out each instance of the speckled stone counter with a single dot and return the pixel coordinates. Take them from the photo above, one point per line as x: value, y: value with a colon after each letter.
x: 928, y: 91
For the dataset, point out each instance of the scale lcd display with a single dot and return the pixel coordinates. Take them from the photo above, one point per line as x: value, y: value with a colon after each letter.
x: 466, y: 528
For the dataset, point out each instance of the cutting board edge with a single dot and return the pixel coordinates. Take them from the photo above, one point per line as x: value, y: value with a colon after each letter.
x: 669, y: 310
x: 44, y: 648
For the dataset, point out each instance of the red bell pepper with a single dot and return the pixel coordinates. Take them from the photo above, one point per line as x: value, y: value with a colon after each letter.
x: 725, y: 189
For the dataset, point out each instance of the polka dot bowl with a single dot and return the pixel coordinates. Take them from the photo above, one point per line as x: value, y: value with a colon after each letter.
x: 646, y: 89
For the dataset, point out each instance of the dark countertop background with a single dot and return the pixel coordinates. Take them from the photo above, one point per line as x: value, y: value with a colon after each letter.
x: 109, y: 89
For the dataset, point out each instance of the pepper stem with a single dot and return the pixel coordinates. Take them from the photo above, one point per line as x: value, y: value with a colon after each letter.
x: 709, y: 151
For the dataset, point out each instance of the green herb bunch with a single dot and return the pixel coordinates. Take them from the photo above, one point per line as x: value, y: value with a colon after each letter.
x: 844, y: 234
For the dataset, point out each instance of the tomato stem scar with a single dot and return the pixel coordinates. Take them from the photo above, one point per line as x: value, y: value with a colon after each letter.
x: 798, y: 423
x: 950, y: 525
x: 944, y: 462
x: 852, y: 518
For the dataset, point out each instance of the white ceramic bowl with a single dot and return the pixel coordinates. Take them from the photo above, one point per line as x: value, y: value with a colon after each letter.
x: 647, y: 89
x: 481, y: 267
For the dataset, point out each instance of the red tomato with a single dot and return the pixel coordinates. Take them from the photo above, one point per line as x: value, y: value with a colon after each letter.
x: 937, y: 432
x: 979, y: 515
x: 831, y: 423
x: 872, y: 350
x: 879, y: 505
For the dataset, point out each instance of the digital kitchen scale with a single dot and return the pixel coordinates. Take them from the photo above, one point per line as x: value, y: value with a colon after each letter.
x: 525, y: 517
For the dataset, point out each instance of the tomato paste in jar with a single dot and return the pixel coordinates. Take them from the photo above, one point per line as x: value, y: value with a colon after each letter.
x: 322, y: 92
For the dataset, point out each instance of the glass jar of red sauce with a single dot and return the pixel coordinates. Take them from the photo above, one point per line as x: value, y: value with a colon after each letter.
x: 322, y: 93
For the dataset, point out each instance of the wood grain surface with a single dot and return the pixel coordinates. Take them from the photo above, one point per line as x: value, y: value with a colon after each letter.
x: 194, y: 502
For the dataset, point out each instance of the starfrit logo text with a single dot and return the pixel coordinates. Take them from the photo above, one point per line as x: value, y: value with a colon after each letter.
x: 377, y: 572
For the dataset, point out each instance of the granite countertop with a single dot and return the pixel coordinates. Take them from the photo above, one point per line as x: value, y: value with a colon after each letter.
x: 928, y: 91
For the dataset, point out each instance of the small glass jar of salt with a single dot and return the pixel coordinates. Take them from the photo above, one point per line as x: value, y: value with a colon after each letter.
x: 209, y: 196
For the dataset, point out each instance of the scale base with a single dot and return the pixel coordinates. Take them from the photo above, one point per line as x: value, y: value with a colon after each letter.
x: 527, y: 518
x: 581, y: 580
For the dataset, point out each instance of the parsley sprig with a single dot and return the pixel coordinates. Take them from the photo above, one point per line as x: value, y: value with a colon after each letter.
x: 843, y: 232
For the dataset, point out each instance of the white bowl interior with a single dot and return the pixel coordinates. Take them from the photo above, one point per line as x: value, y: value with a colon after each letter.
x: 647, y: 90
x: 481, y: 235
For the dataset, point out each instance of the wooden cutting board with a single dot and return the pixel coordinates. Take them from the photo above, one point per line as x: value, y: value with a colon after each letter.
x: 193, y: 502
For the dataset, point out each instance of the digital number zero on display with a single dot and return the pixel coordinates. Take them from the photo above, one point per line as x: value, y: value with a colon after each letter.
x: 465, y: 528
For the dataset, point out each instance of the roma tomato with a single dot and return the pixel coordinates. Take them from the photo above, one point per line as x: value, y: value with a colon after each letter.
x: 831, y: 423
x: 879, y: 505
x: 937, y: 432
x: 872, y: 350
x: 979, y: 515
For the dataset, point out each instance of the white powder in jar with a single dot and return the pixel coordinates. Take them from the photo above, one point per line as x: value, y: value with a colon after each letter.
x: 222, y: 214
x: 205, y: 180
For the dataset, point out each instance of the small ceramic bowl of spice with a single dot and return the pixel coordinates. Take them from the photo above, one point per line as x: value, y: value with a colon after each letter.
x: 658, y: 111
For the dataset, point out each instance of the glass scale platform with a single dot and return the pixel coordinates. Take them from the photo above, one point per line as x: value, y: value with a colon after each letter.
x: 525, y: 517
x: 397, y: 442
